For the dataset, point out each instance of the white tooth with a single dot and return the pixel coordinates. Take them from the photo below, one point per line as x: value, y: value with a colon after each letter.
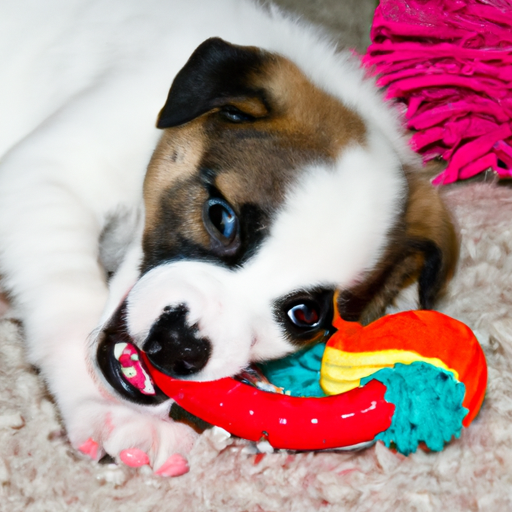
x: 148, y: 383
x: 129, y: 372
x: 118, y: 349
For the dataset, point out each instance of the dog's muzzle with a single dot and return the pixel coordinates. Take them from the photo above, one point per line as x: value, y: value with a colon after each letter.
x: 172, y: 347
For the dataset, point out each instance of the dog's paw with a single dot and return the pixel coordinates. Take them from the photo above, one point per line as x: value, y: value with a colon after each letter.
x: 131, y: 437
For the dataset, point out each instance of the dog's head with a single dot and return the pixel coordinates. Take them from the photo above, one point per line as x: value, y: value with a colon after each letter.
x: 266, y: 198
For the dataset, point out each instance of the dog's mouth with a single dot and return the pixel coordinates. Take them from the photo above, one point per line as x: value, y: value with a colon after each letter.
x: 122, y: 366
x: 121, y: 363
x: 125, y: 368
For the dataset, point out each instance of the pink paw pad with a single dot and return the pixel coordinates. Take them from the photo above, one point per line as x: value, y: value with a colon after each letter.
x: 175, y: 465
x: 90, y: 448
x: 134, y: 457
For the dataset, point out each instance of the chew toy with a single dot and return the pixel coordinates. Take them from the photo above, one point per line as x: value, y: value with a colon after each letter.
x: 409, y: 378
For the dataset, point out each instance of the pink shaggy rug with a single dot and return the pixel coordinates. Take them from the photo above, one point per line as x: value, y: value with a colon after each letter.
x: 447, y: 63
x: 39, y: 472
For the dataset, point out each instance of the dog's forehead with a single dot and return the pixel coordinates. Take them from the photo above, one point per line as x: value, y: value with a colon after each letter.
x: 305, y: 124
x: 321, y: 120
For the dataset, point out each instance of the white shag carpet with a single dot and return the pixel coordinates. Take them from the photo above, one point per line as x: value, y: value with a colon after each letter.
x: 39, y: 472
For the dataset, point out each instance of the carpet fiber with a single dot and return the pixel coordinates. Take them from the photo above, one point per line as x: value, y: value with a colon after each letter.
x: 40, y: 472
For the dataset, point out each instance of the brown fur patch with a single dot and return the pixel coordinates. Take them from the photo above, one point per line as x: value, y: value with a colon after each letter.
x: 428, y: 218
x: 175, y: 158
x: 305, y: 125
x: 306, y: 113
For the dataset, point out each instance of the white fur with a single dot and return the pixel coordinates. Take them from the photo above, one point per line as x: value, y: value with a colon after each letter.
x: 82, y: 83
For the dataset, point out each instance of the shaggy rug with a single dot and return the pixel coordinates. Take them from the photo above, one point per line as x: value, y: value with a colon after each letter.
x: 39, y: 472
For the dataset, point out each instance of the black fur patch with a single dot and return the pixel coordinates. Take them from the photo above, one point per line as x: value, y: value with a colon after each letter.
x: 216, y: 73
x: 432, y: 274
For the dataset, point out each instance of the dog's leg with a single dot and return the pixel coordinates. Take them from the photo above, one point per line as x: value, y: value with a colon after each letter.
x: 50, y: 261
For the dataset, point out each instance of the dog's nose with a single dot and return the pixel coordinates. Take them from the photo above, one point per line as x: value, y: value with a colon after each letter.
x: 174, y: 347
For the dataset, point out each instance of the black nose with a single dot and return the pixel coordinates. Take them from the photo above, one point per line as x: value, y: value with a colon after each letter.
x: 173, y: 347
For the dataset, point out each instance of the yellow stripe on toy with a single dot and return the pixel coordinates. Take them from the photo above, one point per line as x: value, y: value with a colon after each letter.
x: 342, y: 371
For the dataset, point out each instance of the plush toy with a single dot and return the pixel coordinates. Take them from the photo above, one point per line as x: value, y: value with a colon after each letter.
x: 409, y: 378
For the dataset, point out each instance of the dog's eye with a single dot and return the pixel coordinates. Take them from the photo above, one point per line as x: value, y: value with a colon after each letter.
x: 234, y: 115
x: 304, y: 315
x: 220, y: 220
x: 223, y: 219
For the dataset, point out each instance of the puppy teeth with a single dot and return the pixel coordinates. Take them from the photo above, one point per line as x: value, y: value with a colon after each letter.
x: 118, y: 349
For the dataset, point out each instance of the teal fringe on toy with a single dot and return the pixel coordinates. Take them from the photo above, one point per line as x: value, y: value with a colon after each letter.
x: 299, y: 373
x: 428, y: 406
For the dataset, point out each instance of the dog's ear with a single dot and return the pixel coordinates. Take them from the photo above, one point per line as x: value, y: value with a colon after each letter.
x: 430, y: 233
x: 424, y: 250
x: 218, y: 74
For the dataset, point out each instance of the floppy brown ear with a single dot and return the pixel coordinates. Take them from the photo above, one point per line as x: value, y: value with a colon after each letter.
x: 430, y: 231
x: 423, y: 249
x: 216, y: 75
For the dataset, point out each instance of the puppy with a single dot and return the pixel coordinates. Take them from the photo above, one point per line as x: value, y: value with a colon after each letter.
x: 280, y: 180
